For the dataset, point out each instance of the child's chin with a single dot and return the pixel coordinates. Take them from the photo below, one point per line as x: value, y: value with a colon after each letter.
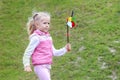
x: 46, y: 31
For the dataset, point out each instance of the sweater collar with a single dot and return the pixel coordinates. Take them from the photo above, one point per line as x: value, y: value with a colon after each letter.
x: 41, y: 32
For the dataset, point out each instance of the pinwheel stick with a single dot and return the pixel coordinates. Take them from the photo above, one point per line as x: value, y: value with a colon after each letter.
x: 68, y: 33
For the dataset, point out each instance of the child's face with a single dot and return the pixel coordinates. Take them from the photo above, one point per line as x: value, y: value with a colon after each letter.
x: 44, y: 24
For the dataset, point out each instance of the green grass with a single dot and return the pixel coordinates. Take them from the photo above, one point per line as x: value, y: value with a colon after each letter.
x: 95, y: 41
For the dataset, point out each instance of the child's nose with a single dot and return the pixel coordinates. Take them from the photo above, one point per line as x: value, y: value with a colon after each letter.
x: 47, y: 25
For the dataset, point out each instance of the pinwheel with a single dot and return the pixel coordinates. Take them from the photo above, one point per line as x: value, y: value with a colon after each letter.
x: 70, y: 24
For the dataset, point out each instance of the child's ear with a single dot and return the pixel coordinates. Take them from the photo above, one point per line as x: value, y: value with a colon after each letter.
x: 36, y: 24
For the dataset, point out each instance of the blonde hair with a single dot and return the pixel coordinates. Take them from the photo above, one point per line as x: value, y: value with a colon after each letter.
x: 35, y: 18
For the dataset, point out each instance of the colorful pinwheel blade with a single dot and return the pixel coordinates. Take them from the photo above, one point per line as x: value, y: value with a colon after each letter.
x: 71, y: 22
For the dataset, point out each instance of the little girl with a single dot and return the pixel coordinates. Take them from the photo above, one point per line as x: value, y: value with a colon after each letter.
x: 41, y: 48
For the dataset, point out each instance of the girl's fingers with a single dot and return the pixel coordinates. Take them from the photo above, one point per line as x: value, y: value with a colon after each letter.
x: 28, y: 69
x: 68, y: 46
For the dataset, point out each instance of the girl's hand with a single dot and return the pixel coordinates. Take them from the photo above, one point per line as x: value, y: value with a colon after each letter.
x: 68, y: 47
x: 27, y: 69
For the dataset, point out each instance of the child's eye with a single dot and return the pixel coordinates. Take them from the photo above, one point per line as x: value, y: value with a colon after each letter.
x: 46, y: 23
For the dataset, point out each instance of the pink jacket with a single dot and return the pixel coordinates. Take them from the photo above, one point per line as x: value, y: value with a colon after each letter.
x: 43, y: 52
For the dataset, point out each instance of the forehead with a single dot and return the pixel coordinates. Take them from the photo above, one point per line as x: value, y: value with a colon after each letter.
x: 45, y: 18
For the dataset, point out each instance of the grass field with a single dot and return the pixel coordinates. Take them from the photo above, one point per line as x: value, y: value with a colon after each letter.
x: 95, y: 41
